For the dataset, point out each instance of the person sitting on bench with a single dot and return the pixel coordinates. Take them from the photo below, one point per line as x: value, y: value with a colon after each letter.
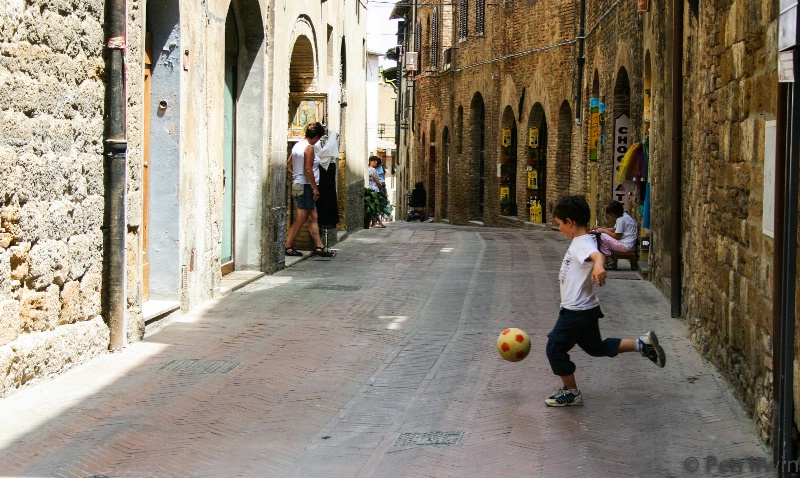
x: 622, y: 237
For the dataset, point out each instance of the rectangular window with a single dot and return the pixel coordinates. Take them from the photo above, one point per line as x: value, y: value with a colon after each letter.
x: 463, y: 6
x: 480, y: 10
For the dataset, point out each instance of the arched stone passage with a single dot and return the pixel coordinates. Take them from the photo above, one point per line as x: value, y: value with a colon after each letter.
x: 536, y: 159
x: 508, y: 163
x: 476, y: 173
x: 648, y: 82
x: 564, y: 147
x: 445, y: 173
x: 302, y: 67
x: 621, y: 138
x: 460, y: 130
x: 431, y: 169
x: 243, y: 153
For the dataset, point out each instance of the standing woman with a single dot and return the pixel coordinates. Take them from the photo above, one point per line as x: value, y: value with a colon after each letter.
x: 375, y: 185
x: 303, y: 163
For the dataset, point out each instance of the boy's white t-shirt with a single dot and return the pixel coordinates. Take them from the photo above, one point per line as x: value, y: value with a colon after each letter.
x: 575, y: 276
x: 626, y: 226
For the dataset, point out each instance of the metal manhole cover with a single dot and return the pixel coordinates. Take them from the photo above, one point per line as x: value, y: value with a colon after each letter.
x: 200, y: 366
x: 429, y: 438
x: 333, y: 287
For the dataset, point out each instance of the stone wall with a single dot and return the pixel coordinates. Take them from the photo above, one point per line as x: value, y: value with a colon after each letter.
x: 731, y: 69
x: 51, y: 194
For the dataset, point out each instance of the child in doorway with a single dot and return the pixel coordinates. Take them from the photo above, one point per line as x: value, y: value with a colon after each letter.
x: 577, y: 323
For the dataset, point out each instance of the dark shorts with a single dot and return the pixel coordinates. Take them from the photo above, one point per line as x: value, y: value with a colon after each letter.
x: 303, y: 196
x: 577, y: 327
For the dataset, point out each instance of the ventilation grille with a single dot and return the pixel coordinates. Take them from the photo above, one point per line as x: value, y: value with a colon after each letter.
x: 429, y: 438
x: 200, y: 366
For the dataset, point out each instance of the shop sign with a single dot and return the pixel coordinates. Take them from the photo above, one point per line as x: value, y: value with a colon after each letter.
x: 594, y: 127
x: 504, y: 192
x: 622, y: 143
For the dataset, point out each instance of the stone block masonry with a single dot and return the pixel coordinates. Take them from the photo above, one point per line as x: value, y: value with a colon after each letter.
x: 51, y: 193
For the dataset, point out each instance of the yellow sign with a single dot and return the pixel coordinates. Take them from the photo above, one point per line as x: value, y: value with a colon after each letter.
x: 533, y: 179
x: 536, y: 211
x: 533, y: 137
x: 504, y: 191
x: 506, y: 138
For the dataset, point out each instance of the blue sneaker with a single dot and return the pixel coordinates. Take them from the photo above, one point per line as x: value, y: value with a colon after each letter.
x: 564, y: 398
x: 648, y: 347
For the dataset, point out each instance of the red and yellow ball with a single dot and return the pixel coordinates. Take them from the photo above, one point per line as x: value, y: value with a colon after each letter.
x: 513, y: 344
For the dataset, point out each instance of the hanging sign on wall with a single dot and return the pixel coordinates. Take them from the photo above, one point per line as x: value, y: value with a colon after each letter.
x: 622, y: 143
x: 594, y: 127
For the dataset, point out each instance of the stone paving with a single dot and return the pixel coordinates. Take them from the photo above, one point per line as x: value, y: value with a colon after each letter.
x: 382, y: 363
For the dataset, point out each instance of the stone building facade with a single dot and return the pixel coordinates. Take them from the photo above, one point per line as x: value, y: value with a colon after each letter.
x: 593, y: 84
x: 51, y: 191
x: 213, y: 90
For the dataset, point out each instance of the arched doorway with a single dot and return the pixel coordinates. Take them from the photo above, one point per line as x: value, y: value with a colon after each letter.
x: 621, y: 190
x: 305, y: 106
x: 445, y: 172
x: 508, y: 163
x: 477, y: 170
x: 564, y: 150
x: 431, y: 166
x: 536, y: 163
x: 161, y: 159
x: 243, y: 126
x: 647, y: 93
x: 229, y: 140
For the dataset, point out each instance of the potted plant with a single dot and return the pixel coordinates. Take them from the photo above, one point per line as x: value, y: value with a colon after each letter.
x: 505, y: 206
x: 373, y: 206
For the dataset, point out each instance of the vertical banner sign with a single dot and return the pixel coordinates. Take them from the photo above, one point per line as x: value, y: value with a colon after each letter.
x: 594, y: 127
x: 622, y: 143
x: 602, y: 123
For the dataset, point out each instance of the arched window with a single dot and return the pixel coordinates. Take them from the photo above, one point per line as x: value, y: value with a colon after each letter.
x: 480, y: 10
x: 463, y: 7
x: 434, y: 31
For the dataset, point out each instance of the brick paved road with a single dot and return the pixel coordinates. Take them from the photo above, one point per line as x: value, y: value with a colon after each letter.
x: 346, y: 367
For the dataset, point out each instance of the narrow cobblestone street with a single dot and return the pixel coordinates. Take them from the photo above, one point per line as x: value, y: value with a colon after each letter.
x: 382, y: 362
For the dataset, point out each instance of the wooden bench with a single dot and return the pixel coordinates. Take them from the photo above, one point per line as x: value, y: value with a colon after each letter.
x: 632, y: 256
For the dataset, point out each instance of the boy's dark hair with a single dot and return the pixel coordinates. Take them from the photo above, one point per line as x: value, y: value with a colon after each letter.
x: 615, y: 208
x: 374, y: 158
x: 575, y: 208
x: 315, y: 130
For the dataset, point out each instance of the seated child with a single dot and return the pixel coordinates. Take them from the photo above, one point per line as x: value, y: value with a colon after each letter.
x: 622, y: 237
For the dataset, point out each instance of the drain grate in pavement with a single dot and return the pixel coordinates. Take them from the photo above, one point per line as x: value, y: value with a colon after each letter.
x: 429, y: 438
x: 200, y: 366
x: 333, y: 287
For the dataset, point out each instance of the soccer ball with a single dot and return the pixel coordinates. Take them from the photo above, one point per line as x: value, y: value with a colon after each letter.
x: 513, y: 344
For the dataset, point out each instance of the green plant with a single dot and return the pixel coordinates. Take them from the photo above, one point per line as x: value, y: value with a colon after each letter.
x: 505, y: 203
x: 373, y: 203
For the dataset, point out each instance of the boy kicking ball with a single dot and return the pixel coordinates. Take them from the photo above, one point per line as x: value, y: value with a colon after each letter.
x: 577, y: 323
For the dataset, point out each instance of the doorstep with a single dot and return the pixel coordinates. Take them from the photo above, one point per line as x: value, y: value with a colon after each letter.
x: 237, y: 280
x: 155, y: 309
